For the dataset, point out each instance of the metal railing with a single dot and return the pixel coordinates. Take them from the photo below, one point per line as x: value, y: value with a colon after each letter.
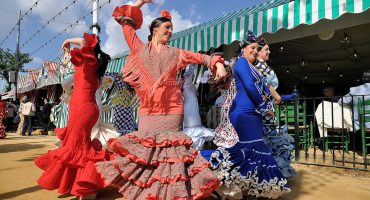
x: 327, y: 131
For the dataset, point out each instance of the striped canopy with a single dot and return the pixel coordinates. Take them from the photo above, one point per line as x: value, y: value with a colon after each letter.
x: 265, y: 18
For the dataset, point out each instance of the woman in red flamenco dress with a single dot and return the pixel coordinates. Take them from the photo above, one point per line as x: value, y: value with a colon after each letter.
x: 157, y: 161
x: 2, y: 115
x: 70, y: 168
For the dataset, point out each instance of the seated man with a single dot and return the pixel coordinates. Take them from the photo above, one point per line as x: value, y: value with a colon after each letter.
x: 361, y: 91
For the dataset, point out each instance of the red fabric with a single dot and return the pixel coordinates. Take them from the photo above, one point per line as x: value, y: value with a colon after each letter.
x: 2, y: 116
x: 150, y: 142
x: 130, y: 11
x: 117, y: 148
x: 70, y: 168
x: 153, y: 72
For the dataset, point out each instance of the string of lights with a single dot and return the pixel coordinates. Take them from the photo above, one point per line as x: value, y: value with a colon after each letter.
x: 22, y: 16
x: 47, y: 23
x: 73, y: 27
x: 69, y: 27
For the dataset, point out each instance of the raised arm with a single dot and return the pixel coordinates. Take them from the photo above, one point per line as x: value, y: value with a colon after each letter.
x: 131, y: 19
x: 76, y: 41
x: 215, y: 62
x: 244, y: 73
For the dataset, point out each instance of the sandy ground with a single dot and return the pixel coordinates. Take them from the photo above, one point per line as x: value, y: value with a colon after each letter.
x: 18, y: 176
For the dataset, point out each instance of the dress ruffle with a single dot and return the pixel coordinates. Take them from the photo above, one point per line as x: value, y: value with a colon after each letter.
x: 72, y: 171
x: 164, y: 172
x: 280, y: 143
x: 158, y: 163
x: 131, y: 13
x: 248, y: 167
x: 86, y: 53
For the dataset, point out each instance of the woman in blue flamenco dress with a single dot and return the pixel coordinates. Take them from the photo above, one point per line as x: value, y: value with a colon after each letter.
x: 248, y: 166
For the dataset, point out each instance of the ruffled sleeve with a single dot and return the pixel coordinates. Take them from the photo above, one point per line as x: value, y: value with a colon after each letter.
x: 132, y: 20
x: 188, y: 57
x: 86, y: 53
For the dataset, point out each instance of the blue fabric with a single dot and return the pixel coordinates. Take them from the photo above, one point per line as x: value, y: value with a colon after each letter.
x: 248, y: 165
x: 277, y: 139
x: 288, y: 97
x: 249, y: 86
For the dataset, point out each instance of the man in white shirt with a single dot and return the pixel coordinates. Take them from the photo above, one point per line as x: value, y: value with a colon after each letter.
x: 351, y: 99
x: 28, y: 110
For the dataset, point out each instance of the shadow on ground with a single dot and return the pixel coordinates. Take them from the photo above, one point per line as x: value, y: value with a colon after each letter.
x: 29, y: 158
x: 9, y: 148
x: 16, y: 193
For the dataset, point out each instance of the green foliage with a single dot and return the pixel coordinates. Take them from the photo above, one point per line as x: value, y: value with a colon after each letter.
x: 8, y: 63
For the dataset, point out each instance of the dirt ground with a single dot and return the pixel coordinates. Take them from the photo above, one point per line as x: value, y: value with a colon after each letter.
x: 18, y: 176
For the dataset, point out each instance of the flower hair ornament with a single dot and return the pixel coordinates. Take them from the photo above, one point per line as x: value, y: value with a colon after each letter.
x: 166, y: 14
x: 249, y: 38
x: 261, y: 41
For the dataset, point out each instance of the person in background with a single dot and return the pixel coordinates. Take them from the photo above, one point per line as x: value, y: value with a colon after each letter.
x: 2, y: 115
x: 28, y: 111
x: 351, y: 99
x: 45, y: 116
x: 277, y: 138
x: 21, y: 116
x: 328, y: 92
x: 192, y: 125
x: 11, y: 112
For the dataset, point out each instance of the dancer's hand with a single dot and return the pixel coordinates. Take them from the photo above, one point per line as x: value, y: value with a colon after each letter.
x: 77, y: 41
x: 278, y: 100
x: 271, y: 114
x: 66, y: 45
x: 140, y: 3
x: 221, y: 72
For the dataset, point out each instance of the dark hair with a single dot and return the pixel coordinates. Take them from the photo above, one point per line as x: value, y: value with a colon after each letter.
x: 261, y: 41
x: 366, y: 76
x: 155, y: 24
x: 215, y: 86
x: 103, y: 59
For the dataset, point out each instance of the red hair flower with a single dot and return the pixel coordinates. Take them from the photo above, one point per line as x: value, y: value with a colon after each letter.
x: 166, y: 14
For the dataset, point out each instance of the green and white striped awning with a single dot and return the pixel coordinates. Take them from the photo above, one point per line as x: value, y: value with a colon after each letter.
x: 265, y: 18
x: 116, y: 64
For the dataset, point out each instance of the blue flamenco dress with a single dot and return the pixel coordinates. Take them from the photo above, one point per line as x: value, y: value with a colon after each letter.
x: 277, y: 138
x: 248, y: 165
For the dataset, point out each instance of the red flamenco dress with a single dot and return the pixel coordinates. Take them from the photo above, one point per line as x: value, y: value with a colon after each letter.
x: 70, y: 168
x: 157, y: 161
x: 2, y: 116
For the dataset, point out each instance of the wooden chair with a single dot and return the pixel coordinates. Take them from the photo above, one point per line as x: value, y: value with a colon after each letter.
x: 364, y: 116
x: 285, y: 116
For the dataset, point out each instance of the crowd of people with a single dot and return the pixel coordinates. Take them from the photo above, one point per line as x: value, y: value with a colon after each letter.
x: 163, y: 158
x: 21, y: 117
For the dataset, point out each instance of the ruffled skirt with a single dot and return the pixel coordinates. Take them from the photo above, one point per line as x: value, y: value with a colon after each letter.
x: 158, y: 162
x: 71, y: 170
x: 248, y: 167
x: 280, y: 143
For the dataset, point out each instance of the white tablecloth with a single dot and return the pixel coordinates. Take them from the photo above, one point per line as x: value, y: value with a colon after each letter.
x: 339, y: 121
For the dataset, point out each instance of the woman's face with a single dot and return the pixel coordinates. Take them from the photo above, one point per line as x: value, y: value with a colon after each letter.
x: 250, y: 52
x: 163, y: 33
x: 264, y: 53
